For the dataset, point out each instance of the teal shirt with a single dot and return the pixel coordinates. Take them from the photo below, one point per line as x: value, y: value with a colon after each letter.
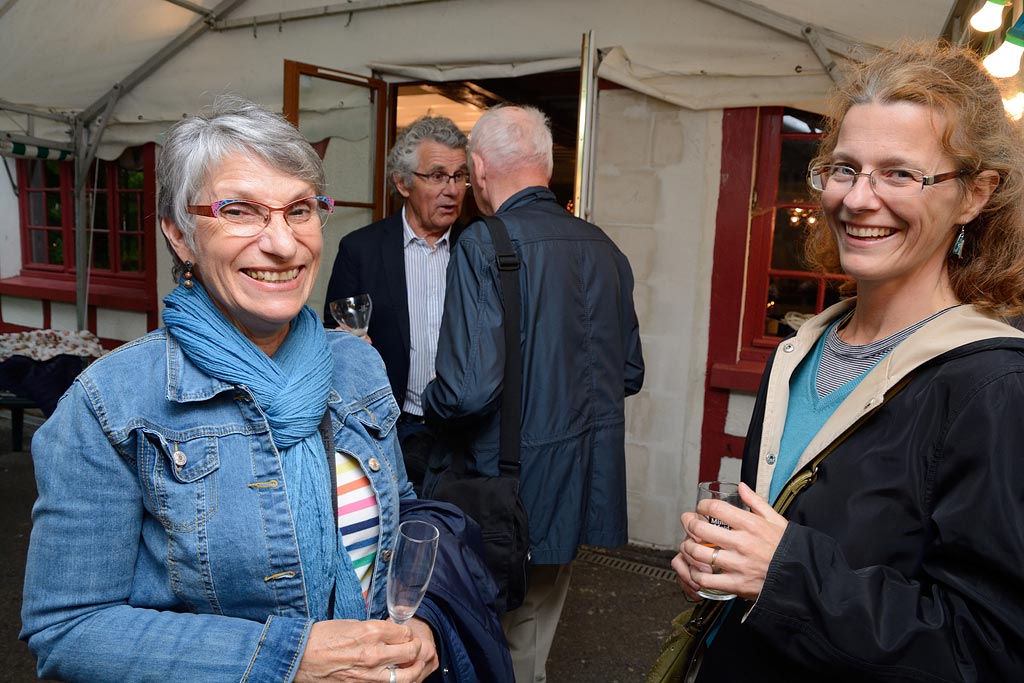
x: 806, y: 414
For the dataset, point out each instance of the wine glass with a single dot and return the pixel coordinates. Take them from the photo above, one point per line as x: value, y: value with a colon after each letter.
x: 410, y: 568
x: 353, y: 313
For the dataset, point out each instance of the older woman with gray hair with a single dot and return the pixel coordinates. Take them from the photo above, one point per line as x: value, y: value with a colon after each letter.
x: 217, y: 498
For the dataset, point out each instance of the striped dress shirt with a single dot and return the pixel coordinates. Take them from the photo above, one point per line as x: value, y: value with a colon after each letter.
x: 425, y: 269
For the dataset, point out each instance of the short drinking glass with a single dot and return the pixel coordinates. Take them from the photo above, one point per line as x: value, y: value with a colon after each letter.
x: 730, y: 493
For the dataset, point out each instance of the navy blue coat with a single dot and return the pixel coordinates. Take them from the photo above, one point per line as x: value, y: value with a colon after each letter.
x: 581, y: 358
x: 459, y: 602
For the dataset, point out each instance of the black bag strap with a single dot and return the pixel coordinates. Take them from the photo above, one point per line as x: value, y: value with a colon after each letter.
x: 507, y: 260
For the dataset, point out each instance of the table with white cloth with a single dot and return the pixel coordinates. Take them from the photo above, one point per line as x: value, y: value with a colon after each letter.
x: 37, y: 367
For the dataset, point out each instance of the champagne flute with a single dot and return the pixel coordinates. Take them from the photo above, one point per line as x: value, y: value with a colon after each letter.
x: 410, y: 568
x: 353, y: 313
x: 730, y: 493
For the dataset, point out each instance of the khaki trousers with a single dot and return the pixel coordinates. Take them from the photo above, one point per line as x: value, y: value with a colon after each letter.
x: 530, y: 629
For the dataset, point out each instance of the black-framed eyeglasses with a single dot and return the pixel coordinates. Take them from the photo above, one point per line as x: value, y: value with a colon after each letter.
x: 889, y: 182
x: 248, y: 217
x: 442, y: 178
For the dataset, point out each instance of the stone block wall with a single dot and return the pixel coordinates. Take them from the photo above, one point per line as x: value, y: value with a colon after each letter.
x: 655, y: 193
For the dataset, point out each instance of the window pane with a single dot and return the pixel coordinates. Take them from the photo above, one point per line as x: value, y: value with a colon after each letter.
x: 797, y: 296
x: 98, y: 206
x: 53, y: 209
x: 53, y: 173
x: 796, y: 156
x: 98, y: 180
x: 55, y: 247
x: 35, y: 173
x: 101, y: 250
x: 130, y: 202
x: 791, y: 224
x: 129, y: 179
x: 37, y: 246
x: 37, y: 208
x: 130, y: 253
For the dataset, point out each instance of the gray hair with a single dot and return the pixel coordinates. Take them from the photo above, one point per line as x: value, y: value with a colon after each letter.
x: 198, y: 143
x: 513, y: 136
x: 404, y: 155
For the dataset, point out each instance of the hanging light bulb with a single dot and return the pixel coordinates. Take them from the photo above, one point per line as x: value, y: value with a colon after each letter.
x: 1015, y: 106
x: 1005, y: 61
x: 990, y: 16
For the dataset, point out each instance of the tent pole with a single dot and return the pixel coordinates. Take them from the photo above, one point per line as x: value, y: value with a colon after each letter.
x: 86, y: 143
x: 198, y: 28
x: 81, y: 238
x: 823, y: 39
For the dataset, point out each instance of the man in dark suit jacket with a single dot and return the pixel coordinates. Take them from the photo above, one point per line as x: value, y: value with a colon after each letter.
x: 400, y: 262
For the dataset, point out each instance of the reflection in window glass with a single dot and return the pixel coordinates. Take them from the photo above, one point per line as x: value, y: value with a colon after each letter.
x: 793, y: 299
x: 37, y: 208
x: 797, y: 121
x: 37, y: 246
x: 796, y: 157
x: 791, y: 225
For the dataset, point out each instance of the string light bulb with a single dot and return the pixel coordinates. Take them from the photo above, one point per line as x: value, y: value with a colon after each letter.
x: 1015, y: 106
x: 1005, y: 61
x: 990, y: 16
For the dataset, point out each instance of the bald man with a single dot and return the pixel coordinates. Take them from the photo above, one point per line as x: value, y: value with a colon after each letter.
x: 581, y: 358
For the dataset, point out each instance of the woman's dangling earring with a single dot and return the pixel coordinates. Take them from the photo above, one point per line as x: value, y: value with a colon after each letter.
x: 958, y: 246
x: 188, y: 275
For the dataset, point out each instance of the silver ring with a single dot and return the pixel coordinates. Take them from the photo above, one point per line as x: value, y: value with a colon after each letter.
x: 714, y: 558
x: 393, y: 678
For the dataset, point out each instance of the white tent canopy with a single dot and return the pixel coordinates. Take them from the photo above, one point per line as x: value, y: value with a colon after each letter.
x: 67, y: 55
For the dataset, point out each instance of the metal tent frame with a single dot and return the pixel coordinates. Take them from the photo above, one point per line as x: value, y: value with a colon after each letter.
x: 87, y: 126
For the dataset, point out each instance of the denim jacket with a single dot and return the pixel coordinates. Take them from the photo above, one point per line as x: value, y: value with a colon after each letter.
x: 162, y: 546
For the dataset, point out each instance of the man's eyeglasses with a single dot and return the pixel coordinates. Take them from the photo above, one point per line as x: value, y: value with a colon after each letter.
x: 248, y: 218
x: 442, y: 178
x: 888, y: 182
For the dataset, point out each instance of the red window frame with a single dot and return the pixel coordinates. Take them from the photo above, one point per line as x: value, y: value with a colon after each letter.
x: 739, y: 347
x: 112, y: 195
x: 111, y: 287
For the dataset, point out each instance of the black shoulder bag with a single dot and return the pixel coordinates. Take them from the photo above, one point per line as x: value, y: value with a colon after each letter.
x: 493, y: 502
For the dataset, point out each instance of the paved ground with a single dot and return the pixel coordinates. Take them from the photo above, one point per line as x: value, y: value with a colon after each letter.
x: 618, y: 611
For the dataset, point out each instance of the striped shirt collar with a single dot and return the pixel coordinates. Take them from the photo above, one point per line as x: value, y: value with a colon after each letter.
x: 409, y: 236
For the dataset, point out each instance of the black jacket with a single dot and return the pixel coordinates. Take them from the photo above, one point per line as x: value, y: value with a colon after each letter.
x: 903, y: 561
x: 371, y: 260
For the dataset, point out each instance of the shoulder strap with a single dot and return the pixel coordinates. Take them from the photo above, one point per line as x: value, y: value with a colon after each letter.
x: 512, y: 388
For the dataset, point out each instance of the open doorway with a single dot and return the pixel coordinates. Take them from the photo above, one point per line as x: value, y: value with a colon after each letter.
x: 556, y: 93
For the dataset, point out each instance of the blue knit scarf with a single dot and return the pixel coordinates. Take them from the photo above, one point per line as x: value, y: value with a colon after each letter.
x: 291, y: 389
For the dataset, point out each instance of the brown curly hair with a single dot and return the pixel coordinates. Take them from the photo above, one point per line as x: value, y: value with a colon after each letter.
x: 978, y: 135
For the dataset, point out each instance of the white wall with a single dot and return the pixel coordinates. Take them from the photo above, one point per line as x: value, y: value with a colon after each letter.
x: 10, y: 235
x: 655, y: 193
